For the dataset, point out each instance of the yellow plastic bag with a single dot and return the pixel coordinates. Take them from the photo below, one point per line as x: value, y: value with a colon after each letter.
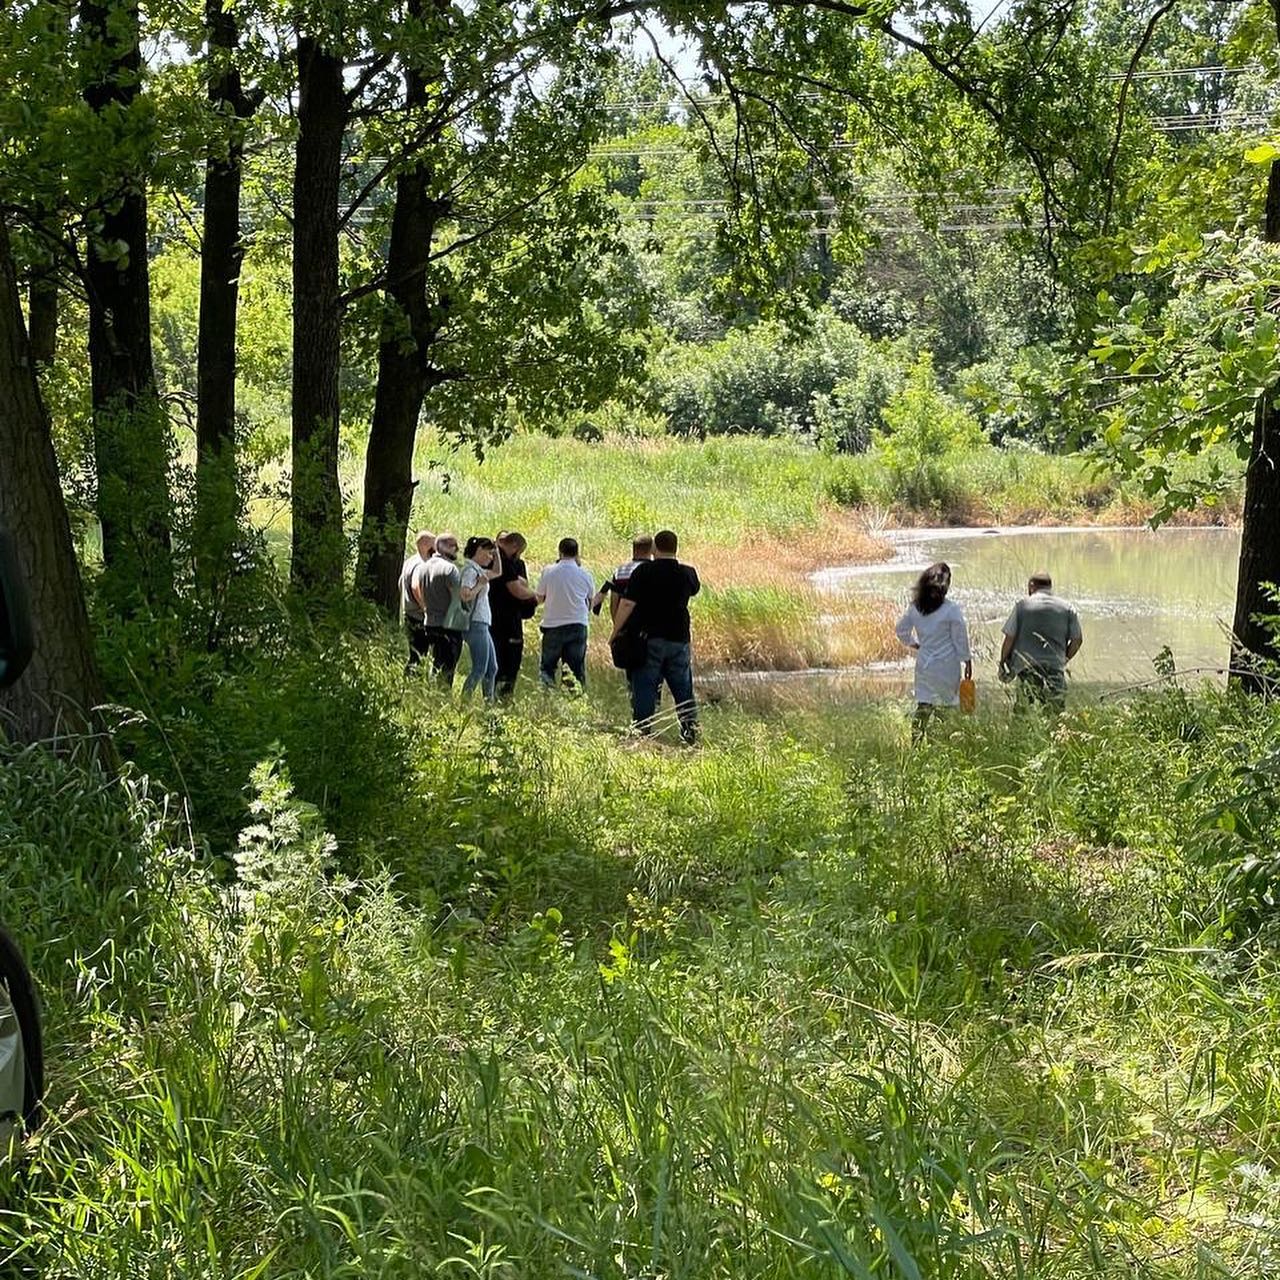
x: 968, y: 697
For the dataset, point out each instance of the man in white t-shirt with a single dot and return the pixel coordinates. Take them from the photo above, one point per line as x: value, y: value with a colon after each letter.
x: 565, y: 589
x: 413, y: 614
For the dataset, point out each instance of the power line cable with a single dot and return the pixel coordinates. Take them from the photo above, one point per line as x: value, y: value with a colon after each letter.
x: 711, y: 99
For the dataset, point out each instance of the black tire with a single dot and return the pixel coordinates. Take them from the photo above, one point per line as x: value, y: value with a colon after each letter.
x: 26, y: 1006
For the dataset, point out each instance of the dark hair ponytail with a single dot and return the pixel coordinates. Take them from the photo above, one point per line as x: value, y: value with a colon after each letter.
x: 931, y: 589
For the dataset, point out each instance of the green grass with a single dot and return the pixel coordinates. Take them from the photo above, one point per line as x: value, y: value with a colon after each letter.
x: 716, y: 493
x: 755, y: 515
x: 732, y: 492
x: 1016, y: 485
x: 805, y: 1002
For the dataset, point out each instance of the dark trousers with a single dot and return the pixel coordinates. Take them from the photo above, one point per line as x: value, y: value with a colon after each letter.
x: 926, y: 714
x: 446, y: 648
x: 567, y: 644
x: 669, y: 661
x: 509, y: 642
x: 419, y: 645
x: 1041, y: 687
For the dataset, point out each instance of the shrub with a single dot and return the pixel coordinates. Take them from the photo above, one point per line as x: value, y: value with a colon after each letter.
x: 846, y: 484
x: 762, y: 381
x: 325, y: 697
x: 847, y: 419
x: 924, y: 432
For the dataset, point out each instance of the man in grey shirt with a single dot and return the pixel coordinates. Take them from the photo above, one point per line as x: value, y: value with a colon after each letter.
x: 435, y: 582
x: 414, y: 623
x: 1041, y: 636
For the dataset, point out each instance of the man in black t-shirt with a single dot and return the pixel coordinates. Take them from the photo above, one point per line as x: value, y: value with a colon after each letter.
x: 511, y: 601
x: 656, y: 604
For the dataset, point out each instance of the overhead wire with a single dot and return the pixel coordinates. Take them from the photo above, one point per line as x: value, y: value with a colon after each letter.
x: 704, y: 99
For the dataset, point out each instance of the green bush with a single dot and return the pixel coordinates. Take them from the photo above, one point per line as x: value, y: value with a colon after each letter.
x: 925, y: 431
x: 322, y: 694
x: 846, y: 483
x: 762, y: 381
x: 847, y: 420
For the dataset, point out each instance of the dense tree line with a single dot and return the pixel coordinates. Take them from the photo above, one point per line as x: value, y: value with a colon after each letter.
x: 423, y: 169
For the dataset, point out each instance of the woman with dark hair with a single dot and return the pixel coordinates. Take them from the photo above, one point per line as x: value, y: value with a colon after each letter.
x: 483, y: 564
x: 934, y: 628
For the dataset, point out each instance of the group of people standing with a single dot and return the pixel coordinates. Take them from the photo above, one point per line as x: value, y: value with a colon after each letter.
x: 480, y: 597
x: 484, y: 601
x: 1041, y: 635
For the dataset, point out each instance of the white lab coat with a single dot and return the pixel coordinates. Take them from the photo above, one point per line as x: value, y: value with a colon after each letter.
x: 944, y: 649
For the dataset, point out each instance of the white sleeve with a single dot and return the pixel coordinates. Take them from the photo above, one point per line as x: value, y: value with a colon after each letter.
x: 960, y: 637
x: 906, y: 625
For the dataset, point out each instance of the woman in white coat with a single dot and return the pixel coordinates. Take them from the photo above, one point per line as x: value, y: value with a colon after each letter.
x: 934, y: 628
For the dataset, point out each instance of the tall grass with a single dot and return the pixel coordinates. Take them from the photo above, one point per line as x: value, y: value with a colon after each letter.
x: 721, y: 493
x: 804, y: 1002
x: 1018, y: 486
x: 751, y: 515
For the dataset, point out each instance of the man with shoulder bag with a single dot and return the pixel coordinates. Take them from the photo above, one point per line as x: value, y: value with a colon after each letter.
x: 629, y: 647
x: 655, y: 611
x: 513, y: 601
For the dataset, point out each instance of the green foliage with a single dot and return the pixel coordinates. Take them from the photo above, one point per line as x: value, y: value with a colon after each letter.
x: 276, y: 683
x: 848, y: 484
x: 1238, y: 826
x: 894, y: 1002
x: 847, y: 419
x: 759, y: 381
x: 924, y: 432
x: 284, y: 856
x: 263, y: 332
x: 1187, y: 367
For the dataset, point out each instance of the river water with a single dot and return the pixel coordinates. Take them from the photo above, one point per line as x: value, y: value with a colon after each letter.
x: 1136, y: 590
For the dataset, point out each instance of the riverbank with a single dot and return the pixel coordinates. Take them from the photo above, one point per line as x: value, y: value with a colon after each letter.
x: 757, y: 516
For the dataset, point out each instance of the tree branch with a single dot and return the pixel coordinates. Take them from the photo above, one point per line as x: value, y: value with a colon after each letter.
x: 1109, y: 170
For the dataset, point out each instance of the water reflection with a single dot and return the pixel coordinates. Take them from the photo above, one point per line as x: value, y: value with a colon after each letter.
x: 1137, y: 590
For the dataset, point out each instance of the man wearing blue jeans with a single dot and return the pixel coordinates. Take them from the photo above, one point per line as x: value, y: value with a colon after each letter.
x: 656, y: 604
x: 566, y: 590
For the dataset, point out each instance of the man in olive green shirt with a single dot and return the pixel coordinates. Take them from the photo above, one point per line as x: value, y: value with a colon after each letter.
x: 1041, y: 636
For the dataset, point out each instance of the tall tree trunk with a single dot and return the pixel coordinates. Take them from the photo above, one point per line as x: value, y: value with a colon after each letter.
x: 60, y: 687
x: 1260, y: 529
x: 42, y: 293
x: 221, y: 255
x: 409, y: 326
x: 42, y: 313
x: 318, y: 544
x: 130, y: 428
